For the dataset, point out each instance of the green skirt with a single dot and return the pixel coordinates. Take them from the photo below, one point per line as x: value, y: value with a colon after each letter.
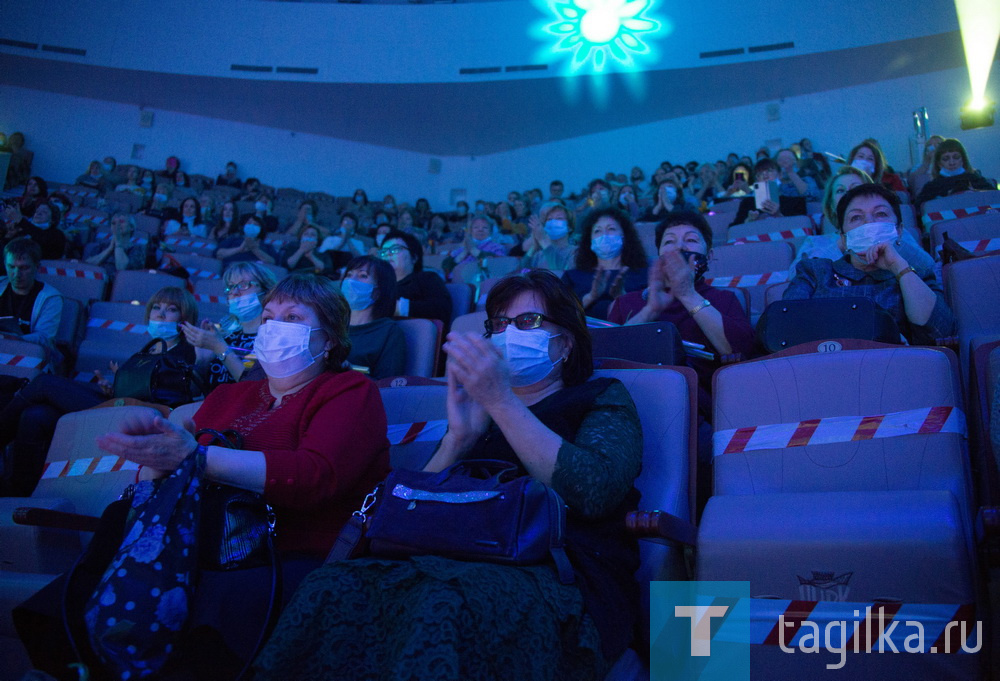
x: 433, y: 619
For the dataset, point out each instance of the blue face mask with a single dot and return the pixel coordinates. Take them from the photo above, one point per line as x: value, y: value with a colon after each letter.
x: 608, y: 246
x: 160, y: 329
x: 952, y: 173
x: 556, y: 229
x: 359, y: 294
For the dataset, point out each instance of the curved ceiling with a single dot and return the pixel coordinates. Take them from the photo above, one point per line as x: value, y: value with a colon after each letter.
x: 479, y: 118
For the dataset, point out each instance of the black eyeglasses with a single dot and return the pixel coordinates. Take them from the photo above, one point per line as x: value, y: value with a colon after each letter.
x: 525, y: 321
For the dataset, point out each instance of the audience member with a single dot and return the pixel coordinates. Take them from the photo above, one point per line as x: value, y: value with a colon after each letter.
x: 19, y: 169
x: 228, y: 223
x: 95, y: 178
x: 303, y: 253
x: 229, y: 179
x: 478, y: 244
x: 123, y: 250
x: 766, y: 170
x: 377, y: 343
x: 247, y: 245
x: 29, y: 309
x: 421, y: 293
x: 36, y: 191
x: 953, y: 173
x: 547, y: 246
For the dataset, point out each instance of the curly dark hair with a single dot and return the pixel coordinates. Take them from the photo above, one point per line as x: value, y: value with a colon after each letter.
x: 633, y: 255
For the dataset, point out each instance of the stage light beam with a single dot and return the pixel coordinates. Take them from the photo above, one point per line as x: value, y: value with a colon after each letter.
x: 979, y: 21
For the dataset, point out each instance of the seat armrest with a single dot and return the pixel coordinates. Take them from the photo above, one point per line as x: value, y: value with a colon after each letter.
x: 951, y: 342
x: 60, y: 520
x: 661, y: 525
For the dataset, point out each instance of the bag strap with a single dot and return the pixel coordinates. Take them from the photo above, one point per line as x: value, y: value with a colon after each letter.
x: 148, y: 346
x: 557, y: 541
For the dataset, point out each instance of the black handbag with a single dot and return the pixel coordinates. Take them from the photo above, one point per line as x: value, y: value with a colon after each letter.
x: 159, y: 378
x: 237, y: 525
x: 475, y: 510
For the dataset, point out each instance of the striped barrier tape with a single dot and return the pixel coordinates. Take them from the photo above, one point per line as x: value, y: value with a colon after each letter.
x: 67, y: 272
x: 87, y: 466
x: 101, y: 236
x: 114, y: 325
x: 79, y: 191
x: 420, y: 431
x: 205, y: 298
x: 864, y: 627
x: 193, y: 243
x: 748, y: 280
x: 840, y: 429
x: 978, y: 246
x: 956, y: 213
x: 76, y: 216
x: 775, y: 236
x: 21, y: 361
x: 202, y: 274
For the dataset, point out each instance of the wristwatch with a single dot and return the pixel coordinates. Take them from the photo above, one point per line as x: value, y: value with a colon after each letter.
x: 223, y: 355
x: 700, y: 306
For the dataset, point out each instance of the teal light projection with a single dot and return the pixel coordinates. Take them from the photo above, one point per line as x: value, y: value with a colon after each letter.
x: 594, y: 36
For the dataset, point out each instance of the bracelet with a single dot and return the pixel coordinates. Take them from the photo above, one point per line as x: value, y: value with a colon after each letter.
x: 905, y: 271
x: 701, y: 306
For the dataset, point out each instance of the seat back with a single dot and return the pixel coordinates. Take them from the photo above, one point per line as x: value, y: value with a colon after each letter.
x: 190, y: 244
x: 656, y: 343
x: 114, y: 332
x: 141, y: 284
x: 973, y: 290
x: 647, y: 236
x: 200, y: 266
x: 75, y: 279
x: 975, y: 228
x: 468, y: 273
x: 423, y: 342
x: 70, y: 324
x: 751, y: 258
x: 791, y: 391
x: 501, y: 266
x: 971, y: 199
x: 124, y: 201
x: 22, y: 359
x: 470, y: 323
x: 794, y: 228
x: 461, y: 299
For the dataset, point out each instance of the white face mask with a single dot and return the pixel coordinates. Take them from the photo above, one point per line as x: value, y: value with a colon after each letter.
x: 952, y: 173
x: 282, y: 348
x: 359, y: 294
x: 160, y: 329
x: 865, y: 165
x: 251, y: 230
x: 608, y: 246
x: 246, y: 307
x: 527, y: 354
x: 860, y: 239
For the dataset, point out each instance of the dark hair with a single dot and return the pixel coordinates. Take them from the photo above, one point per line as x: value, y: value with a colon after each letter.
x: 412, y: 245
x: 765, y: 163
x: 352, y: 216
x: 364, y: 196
x: 43, y: 186
x: 385, y: 283
x: 633, y: 255
x: 233, y: 226
x: 321, y: 294
x: 876, y: 152
x: 558, y: 182
x: 684, y: 217
x: 311, y: 204
x: 561, y: 306
x: 174, y: 295
x: 946, y: 145
x: 873, y: 189
x: 23, y: 247
x: 197, y: 207
x: 596, y: 182
x: 53, y: 209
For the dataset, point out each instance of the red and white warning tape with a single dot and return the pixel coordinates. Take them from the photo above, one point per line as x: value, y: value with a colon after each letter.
x: 940, y: 215
x: 113, y: 325
x: 748, y: 280
x: 193, y: 243
x: 68, y: 272
x: 87, y: 466
x: 840, y: 429
x: 775, y: 236
x: 205, y: 298
x: 421, y: 431
x: 980, y: 246
x: 202, y: 274
x: 865, y: 627
x: 77, y: 216
x: 21, y: 361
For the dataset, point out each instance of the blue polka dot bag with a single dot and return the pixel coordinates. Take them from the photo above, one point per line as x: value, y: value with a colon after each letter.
x: 140, y: 607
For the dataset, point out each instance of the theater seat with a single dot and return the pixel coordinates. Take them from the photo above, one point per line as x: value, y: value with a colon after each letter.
x: 141, y: 284
x: 423, y: 342
x: 810, y: 512
x: 75, y: 279
x: 470, y: 323
x: 461, y: 299
x: 973, y: 290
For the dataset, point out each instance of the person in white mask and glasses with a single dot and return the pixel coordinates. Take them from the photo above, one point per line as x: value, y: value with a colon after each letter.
x: 228, y: 348
x: 869, y: 223
x: 314, y: 444
x: 523, y: 395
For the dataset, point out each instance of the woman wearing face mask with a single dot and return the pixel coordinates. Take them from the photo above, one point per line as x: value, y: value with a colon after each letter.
x: 36, y: 191
x: 251, y: 190
x: 158, y: 207
x: 873, y: 267
x: 625, y: 200
x: 132, y: 183
x: 228, y: 223
x: 247, y: 283
x: 123, y: 251
x: 478, y: 244
x: 868, y: 157
x: 669, y: 197
x: 44, y: 229
x: 189, y: 224
x: 377, y: 343
x: 262, y: 206
x: 247, y: 246
x: 344, y: 245
x: 609, y: 261
x: 303, y: 253
x: 522, y: 395
x: 314, y: 445
x: 953, y: 173
x: 29, y: 420
x: 94, y: 178
x: 677, y: 293
x: 922, y: 173
x: 306, y: 216
x: 421, y: 293
x: 548, y: 246
x: 709, y: 185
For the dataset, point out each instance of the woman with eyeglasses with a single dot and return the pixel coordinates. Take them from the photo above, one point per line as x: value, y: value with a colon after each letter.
x: 421, y: 293
x: 224, y: 350
x: 524, y: 395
